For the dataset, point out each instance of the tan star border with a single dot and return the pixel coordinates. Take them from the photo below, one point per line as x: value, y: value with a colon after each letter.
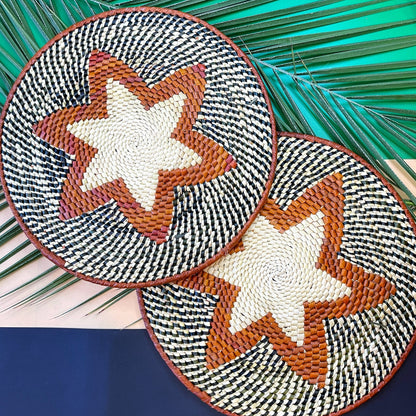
x: 154, y: 224
x: 310, y: 361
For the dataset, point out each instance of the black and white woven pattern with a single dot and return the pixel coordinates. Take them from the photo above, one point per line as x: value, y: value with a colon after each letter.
x: 363, y: 348
x: 102, y: 244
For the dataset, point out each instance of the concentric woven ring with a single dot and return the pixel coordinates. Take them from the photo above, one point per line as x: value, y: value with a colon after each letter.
x: 313, y: 312
x: 137, y: 147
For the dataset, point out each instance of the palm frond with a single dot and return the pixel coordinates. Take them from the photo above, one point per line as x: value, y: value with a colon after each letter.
x: 339, y: 69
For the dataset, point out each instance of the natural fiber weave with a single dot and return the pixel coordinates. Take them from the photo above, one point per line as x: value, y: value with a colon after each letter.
x: 314, y: 310
x: 137, y: 146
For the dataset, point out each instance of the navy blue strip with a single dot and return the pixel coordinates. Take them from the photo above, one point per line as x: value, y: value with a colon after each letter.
x: 70, y: 372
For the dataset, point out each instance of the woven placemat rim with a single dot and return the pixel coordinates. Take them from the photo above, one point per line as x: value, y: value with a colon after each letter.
x: 204, y: 396
x: 59, y: 261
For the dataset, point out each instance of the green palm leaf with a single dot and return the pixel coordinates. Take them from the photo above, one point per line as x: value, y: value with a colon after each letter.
x: 340, y: 69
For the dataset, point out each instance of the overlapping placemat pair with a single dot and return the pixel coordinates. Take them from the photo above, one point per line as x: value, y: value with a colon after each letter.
x: 275, y: 271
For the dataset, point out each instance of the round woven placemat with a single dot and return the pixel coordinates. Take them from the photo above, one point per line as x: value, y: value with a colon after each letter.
x: 137, y: 147
x: 314, y: 311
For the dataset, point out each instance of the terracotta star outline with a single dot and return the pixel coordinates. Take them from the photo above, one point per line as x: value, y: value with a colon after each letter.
x: 127, y: 163
x: 357, y: 290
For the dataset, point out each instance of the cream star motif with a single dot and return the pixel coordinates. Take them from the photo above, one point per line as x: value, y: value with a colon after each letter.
x: 134, y: 144
x: 276, y: 273
x: 284, y: 279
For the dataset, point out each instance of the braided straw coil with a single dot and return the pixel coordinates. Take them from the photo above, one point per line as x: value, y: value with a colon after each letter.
x: 313, y: 312
x: 137, y: 147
